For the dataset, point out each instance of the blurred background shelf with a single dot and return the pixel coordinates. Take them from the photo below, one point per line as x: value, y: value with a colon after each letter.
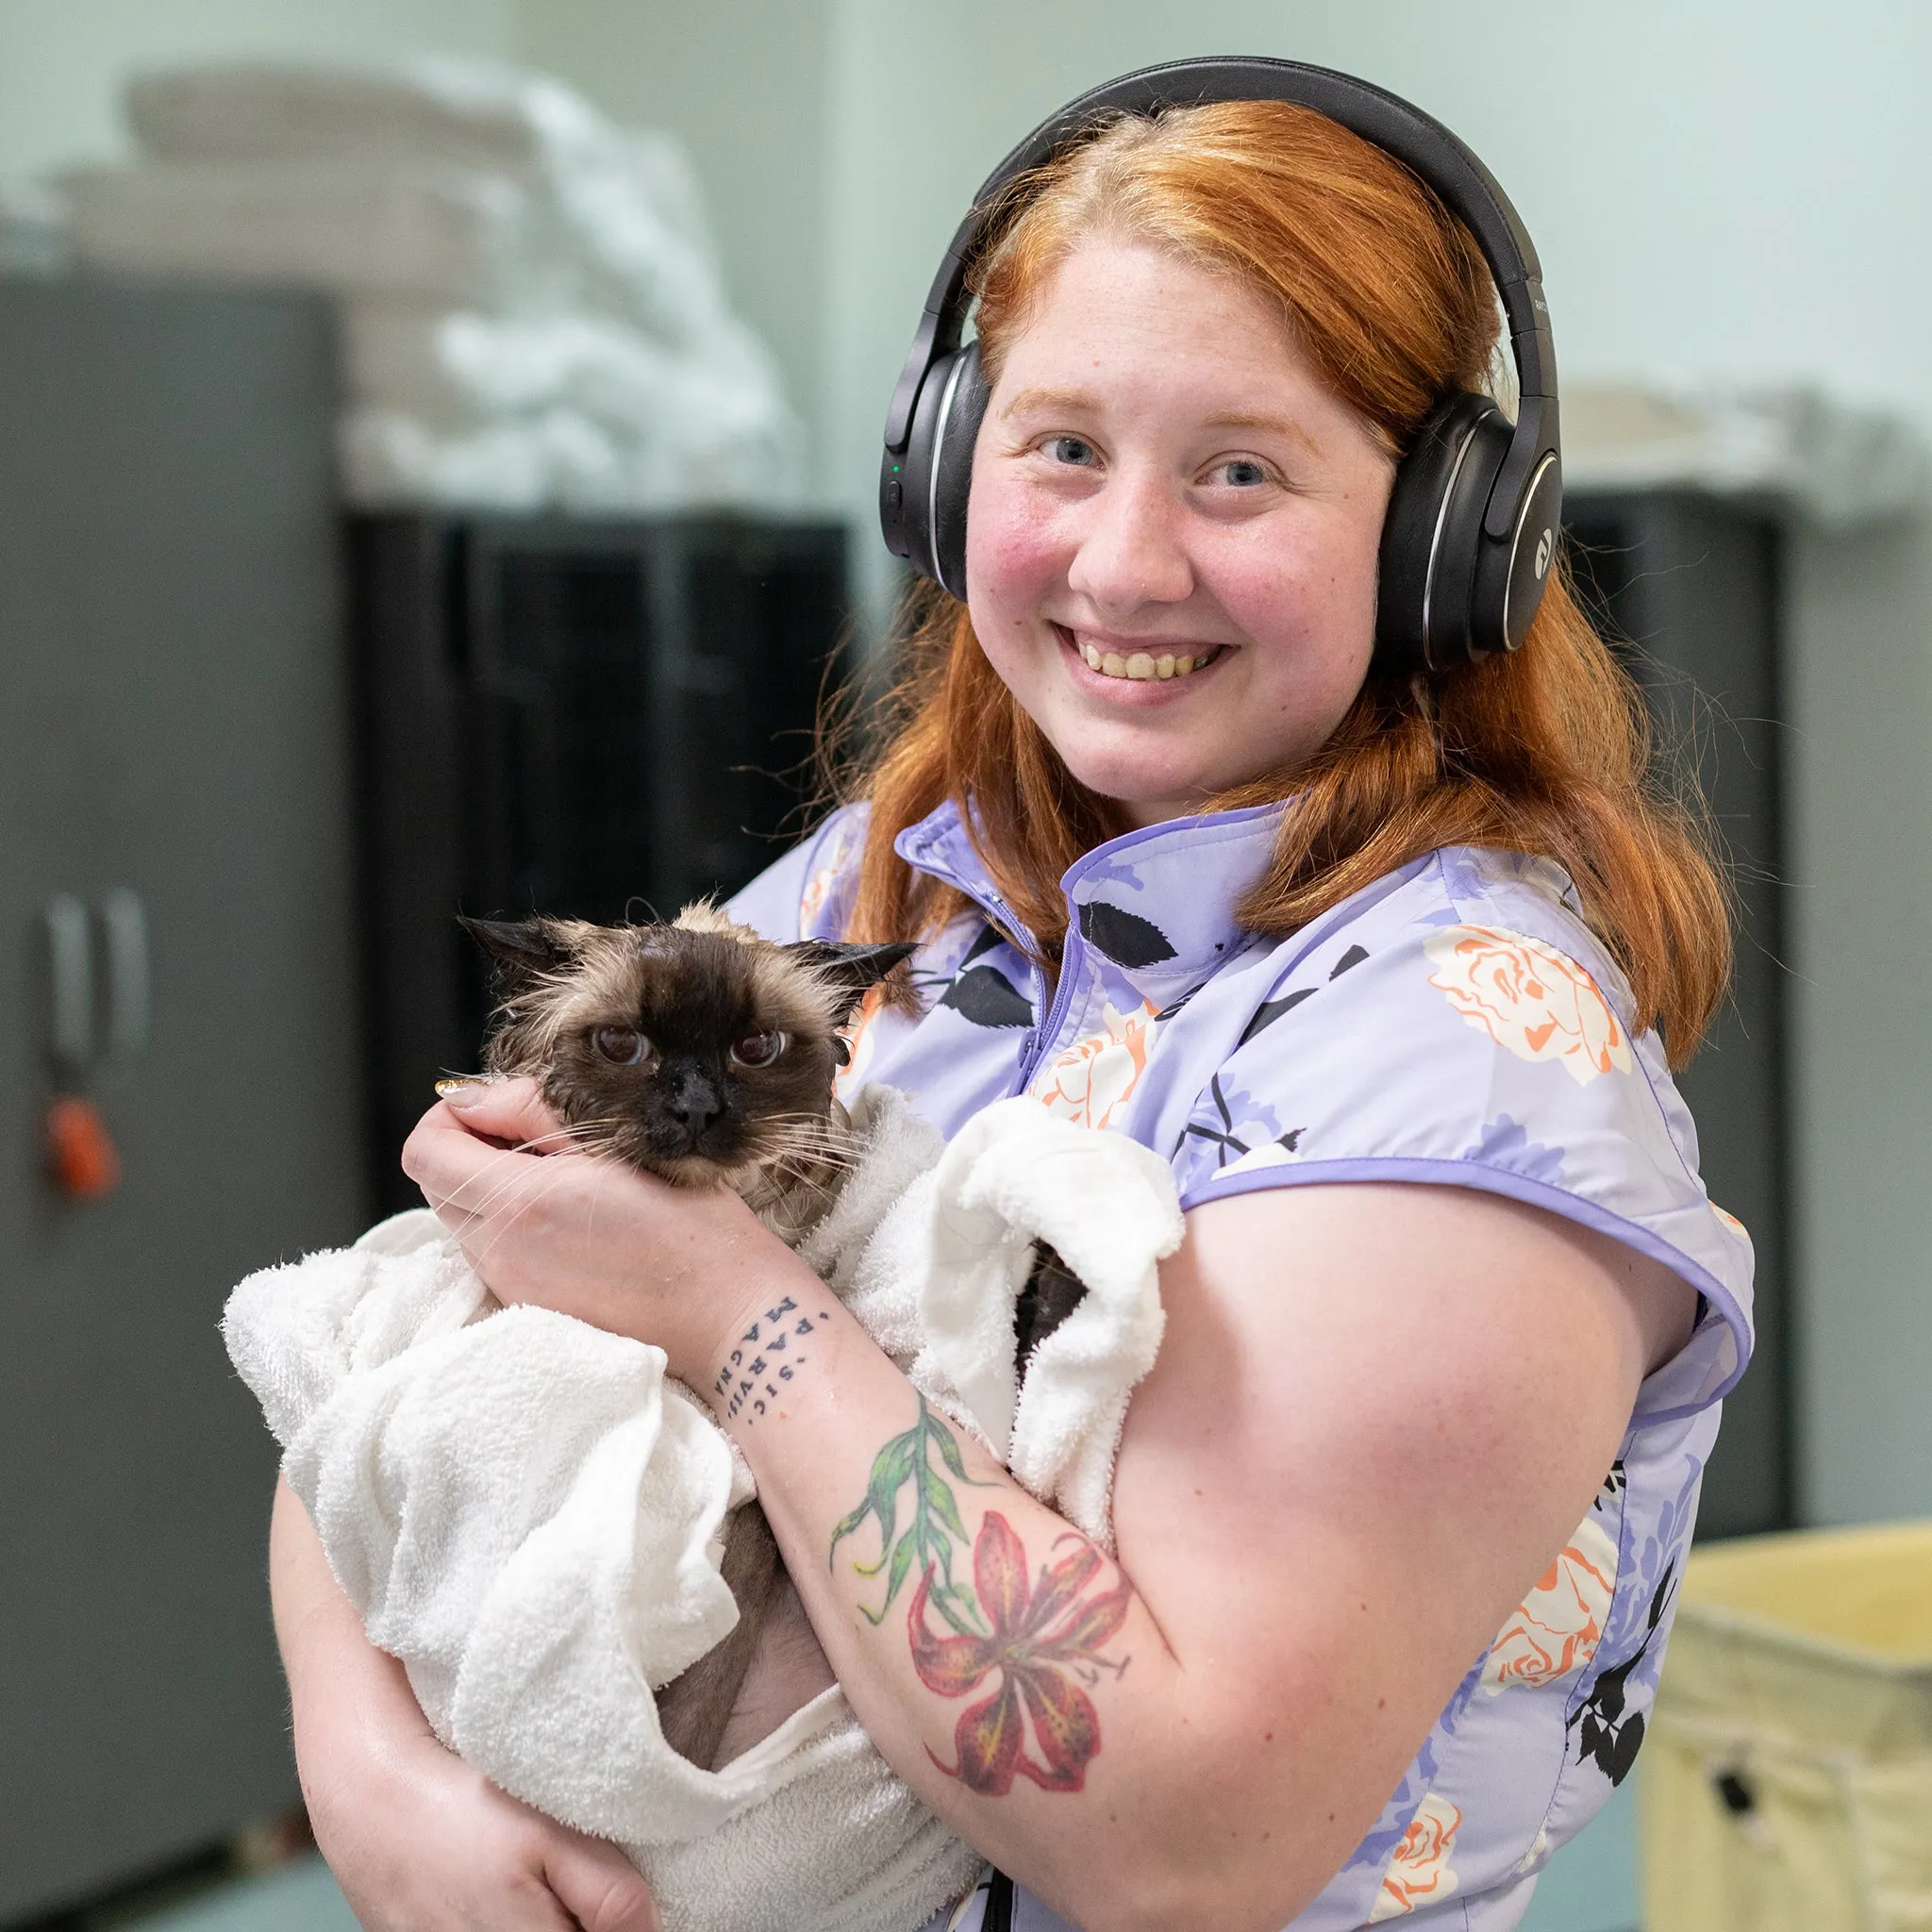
x: 595, y: 719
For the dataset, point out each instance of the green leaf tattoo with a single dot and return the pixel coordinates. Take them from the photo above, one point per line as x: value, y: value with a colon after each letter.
x: 935, y: 1521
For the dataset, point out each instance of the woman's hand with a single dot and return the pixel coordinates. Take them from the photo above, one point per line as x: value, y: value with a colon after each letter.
x: 543, y: 1223
x: 417, y: 1840
x: 420, y: 1843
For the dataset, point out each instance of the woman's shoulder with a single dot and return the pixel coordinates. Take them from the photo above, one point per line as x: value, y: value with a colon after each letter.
x: 808, y: 893
x: 1458, y: 1024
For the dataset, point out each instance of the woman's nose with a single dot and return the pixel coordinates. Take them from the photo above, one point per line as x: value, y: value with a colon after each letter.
x: 1130, y: 551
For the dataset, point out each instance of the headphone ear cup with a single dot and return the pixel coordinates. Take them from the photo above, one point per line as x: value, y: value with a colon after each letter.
x: 952, y: 470
x: 939, y: 467
x: 1432, y: 537
x: 1511, y: 575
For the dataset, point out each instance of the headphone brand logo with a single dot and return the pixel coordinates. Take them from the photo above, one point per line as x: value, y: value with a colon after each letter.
x: 1545, y: 544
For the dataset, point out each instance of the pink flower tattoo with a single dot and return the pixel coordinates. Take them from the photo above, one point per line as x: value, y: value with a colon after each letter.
x: 1038, y: 1634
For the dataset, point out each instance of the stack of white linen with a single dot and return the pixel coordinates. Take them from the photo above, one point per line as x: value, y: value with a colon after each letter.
x: 531, y: 307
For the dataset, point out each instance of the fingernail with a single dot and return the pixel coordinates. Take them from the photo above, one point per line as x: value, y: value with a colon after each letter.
x: 457, y: 1091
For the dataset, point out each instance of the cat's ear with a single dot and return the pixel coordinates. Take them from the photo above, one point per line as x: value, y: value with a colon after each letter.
x: 521, y: 950
x: 851, y: 968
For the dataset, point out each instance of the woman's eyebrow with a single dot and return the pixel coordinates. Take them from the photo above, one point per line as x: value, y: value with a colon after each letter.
x: 1250, y: 419
x: 1071, y: 401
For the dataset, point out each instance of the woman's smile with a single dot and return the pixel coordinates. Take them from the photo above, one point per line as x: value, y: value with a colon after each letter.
x: 1173, y: 532
x: 1137, y: 662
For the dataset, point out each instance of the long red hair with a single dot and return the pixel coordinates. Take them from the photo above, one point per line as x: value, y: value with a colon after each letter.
x: 1545, y: 750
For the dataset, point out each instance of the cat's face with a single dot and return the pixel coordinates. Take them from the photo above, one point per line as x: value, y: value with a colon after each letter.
x: 695, y: 1051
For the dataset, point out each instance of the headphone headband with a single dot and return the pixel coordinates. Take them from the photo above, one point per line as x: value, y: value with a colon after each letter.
x: 1529, y: 465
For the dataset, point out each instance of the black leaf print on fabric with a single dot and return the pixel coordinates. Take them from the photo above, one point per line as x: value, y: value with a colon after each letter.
x: 1604, y: 1734
x: 1266, y: 1014
x: 988, y: 938
x: 1227, y: 1144
x: 1354, y: 956
x: 1124, y: 937
x: 1613, y: 1485
x: 986, y: 997
x: 1167, y: 1013
x: 927, y: 978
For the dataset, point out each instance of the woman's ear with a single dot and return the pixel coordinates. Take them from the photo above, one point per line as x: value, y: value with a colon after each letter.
x: 852, y: 970
x: 520, y: 951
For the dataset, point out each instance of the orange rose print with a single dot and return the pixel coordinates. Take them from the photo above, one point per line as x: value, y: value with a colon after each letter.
x: 1092, y: 1081
x: 811, y: 901
x: 1529, y: 998
x: 818, y: 887
x: 1418, y: 1872
x: 1557, y: 1626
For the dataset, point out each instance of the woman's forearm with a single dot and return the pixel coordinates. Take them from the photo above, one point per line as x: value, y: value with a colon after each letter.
x: 1006, y: 1669
x: 340, y: 1686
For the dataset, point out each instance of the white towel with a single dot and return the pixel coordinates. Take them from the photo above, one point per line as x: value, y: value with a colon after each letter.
x: 527, y: 1510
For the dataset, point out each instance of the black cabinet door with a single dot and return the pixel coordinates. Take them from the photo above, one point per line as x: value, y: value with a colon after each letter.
x: 171, y: 727
x: 1688, y: 587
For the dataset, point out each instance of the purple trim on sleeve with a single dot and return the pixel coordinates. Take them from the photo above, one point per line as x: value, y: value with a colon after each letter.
x: 1515, y: 1186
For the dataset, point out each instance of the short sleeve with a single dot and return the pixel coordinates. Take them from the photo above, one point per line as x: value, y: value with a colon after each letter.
x: 1475, y: 1040
x: 808, y: 893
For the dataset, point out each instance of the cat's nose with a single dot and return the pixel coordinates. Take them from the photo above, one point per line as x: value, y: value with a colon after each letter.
x: 694, y: 1100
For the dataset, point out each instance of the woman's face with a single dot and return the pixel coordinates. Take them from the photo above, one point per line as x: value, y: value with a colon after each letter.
x: 1162, y: 480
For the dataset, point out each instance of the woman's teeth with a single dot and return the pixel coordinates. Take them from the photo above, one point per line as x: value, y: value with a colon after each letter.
x: 1143, y: 664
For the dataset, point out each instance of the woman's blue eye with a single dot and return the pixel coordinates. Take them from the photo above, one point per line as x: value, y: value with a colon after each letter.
x: 1242, y: 474
x: 1071, y: 449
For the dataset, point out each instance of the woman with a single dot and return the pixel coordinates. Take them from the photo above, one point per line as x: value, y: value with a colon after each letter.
x: 1377, y: 959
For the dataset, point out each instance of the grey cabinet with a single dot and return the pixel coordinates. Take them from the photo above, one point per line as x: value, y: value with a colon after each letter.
x: 173, y: 731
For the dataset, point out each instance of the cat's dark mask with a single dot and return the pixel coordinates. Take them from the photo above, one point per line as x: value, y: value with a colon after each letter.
x: 697, y: 1051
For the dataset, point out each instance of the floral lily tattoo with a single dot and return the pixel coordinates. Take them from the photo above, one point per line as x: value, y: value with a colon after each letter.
x: 1038, y: 1633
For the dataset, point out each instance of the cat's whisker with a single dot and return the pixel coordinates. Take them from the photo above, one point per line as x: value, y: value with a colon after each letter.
x: 536, y: 1186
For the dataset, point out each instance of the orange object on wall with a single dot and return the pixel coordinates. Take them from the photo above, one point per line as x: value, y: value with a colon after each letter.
x: 80, y: 1151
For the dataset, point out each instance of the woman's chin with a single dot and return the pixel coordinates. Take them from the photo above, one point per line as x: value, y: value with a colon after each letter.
x: 1145, y: 798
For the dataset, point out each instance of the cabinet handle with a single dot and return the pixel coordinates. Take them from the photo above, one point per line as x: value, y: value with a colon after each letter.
x: 123, y: 919
x: 71, y: 983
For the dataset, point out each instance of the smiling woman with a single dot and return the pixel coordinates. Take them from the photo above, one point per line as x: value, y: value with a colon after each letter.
x: 1367, y: 956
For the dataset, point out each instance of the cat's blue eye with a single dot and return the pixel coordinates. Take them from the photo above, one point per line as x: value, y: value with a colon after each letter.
x: 623, y: 1046
x: 1074, y: 450
x: 759, y: 1049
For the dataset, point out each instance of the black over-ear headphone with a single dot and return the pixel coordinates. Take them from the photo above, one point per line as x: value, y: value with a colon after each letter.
x: 1471, y: 523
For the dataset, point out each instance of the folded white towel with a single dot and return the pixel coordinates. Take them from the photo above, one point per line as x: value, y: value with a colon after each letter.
x: 574, y: 408
x: 527, y: 1510
x: 442, y: 109
x: 346, y: 227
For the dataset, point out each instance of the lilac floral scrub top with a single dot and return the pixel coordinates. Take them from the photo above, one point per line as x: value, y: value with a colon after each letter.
x: 1456, y: 1024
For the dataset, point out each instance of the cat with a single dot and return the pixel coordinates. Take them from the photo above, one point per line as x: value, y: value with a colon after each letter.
x: 703, y: 1055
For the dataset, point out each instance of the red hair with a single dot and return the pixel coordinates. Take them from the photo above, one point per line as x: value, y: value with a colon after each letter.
x: 1544, y: 750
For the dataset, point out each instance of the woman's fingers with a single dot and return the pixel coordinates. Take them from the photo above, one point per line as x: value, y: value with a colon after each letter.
x: 420, y: 1843
x: 512, y: 1112
x: 597, y: 1885
x: 476, y: 1153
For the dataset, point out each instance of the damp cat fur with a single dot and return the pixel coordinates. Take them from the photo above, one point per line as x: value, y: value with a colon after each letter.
x: 703, y: 1055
